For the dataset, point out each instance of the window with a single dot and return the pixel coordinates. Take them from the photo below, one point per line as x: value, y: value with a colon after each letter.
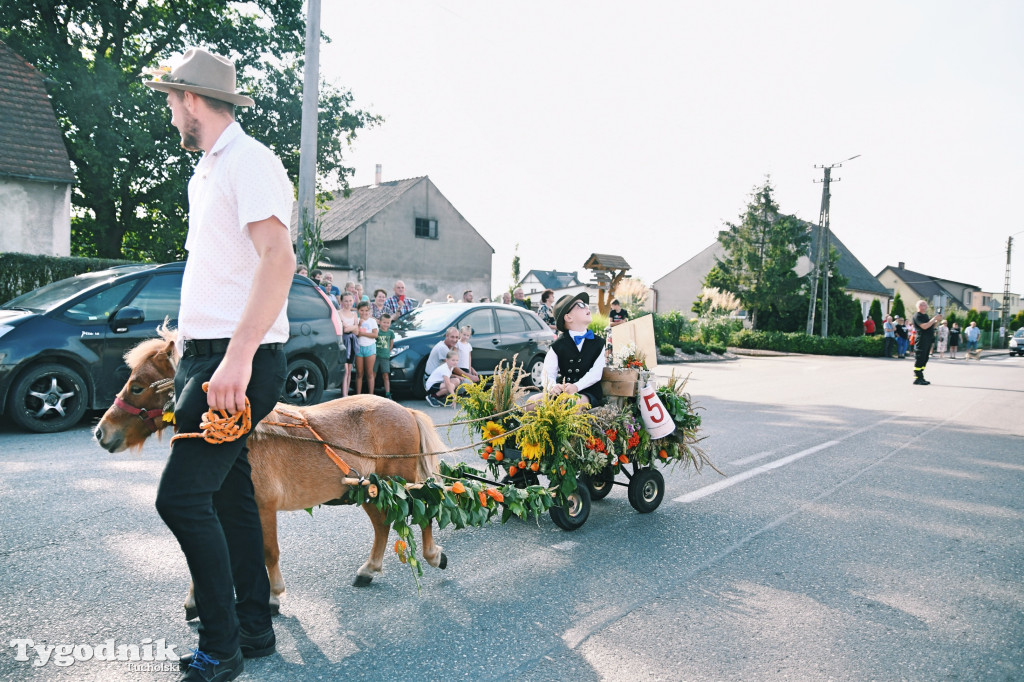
x: 534, y: 323
x: 510, y: 322
x: 481, y: 321
x: 160, y: 298
x: 101, y: 305
x: 426, y: 228
x: 304, y: 303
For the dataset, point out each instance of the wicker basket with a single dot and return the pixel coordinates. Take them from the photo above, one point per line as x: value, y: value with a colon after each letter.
x: 620, y: 382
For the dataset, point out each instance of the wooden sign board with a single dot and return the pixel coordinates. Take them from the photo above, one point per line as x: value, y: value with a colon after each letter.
x: 640, y: 333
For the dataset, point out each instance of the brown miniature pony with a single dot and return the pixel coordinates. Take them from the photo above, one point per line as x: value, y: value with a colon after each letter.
x: 290, y: 474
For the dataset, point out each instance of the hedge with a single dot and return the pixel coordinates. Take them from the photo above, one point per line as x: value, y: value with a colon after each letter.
x: 795, y: 342
x: 670, y: 327
x: 23, y: 272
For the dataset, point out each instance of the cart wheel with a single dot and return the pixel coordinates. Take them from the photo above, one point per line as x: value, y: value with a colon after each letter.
x: 576, y: 510
x: 646, y: 490
x: 600, y: 484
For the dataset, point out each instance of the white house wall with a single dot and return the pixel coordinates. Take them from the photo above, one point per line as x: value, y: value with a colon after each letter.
x: 457, y: 260
x: 36, y: 217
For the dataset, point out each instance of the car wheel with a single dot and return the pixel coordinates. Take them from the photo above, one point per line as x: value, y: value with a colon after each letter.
x: 48, y: 398
x: 303, y: 384
x: 536, y: 372
x: 417, y: 389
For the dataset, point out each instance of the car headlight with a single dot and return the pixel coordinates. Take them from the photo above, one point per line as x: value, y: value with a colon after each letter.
x: 4, y: 328
x: 398, y: 350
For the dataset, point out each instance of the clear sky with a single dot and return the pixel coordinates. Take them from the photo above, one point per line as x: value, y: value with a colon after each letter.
x: 638, y: 128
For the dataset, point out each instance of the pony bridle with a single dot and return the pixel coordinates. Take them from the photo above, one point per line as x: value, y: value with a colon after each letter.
x: 153, y: 419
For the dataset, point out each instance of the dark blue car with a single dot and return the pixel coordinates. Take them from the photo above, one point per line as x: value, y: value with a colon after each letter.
x: 62, y: 345
x: 500, y: 332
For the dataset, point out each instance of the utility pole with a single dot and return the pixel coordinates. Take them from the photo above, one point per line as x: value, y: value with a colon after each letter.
x: 822, y: 254
x: 307, y: 141
x: 1006, y: 287
x: 760, y: 256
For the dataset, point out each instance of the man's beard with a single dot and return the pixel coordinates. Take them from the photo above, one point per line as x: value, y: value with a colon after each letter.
x: 190, y: 134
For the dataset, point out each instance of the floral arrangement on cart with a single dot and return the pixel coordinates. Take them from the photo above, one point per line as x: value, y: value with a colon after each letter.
x: 638, y: 427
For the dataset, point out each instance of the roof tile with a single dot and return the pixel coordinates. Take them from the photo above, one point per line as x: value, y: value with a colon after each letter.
x: 31, y: 142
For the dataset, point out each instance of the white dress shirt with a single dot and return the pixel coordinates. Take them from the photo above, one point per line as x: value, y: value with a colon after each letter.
x: 239, y: 181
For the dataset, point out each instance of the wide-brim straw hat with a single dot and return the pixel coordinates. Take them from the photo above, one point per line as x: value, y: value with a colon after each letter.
x: 203, y: 73
x: 565, y: 304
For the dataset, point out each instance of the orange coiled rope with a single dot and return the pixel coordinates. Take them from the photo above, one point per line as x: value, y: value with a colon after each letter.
x: 220, y: 427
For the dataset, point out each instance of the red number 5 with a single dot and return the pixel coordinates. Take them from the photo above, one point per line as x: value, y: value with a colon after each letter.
x: 654, y: 407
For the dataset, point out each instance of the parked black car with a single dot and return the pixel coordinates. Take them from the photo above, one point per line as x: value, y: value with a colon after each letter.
x: 62, y: 345
x: 500, y: 332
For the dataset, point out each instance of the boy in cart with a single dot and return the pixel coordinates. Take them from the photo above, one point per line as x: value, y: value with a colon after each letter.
x: 575, y: 361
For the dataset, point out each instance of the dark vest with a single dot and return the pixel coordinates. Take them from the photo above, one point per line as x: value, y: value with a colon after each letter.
x: 573, y: 364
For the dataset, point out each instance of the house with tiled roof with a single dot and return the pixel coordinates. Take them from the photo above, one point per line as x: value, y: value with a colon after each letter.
x: 561, y: 282
x: 403, y: 230
x: 679, y: 289
x: 947, y: 293
x: 35, y: 171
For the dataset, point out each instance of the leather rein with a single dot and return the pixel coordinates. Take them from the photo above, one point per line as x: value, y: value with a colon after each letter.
x: 153, y: 419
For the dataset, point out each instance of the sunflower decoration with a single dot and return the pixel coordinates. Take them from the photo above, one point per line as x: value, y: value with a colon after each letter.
x: 532, y: 451
x: 547, y: 436
x: 494, y: 434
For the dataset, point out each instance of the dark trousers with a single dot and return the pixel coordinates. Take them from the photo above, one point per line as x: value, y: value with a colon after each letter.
x: 921, y: 351
x: 206, y: 499
x: 889, y: 343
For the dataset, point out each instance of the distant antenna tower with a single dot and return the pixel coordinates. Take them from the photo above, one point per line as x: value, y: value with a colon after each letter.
x: 822, y: 253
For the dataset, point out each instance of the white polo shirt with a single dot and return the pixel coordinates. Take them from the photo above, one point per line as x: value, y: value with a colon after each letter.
x: 239, y: 181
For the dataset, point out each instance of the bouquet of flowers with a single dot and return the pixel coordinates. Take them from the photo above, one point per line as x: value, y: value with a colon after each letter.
x: 628, y: 357
x: 619, y: 437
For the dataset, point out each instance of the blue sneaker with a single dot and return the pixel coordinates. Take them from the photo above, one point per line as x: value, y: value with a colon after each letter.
x: 205, y: 668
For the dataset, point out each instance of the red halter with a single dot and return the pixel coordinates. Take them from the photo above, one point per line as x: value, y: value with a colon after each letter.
x: 149, y: 417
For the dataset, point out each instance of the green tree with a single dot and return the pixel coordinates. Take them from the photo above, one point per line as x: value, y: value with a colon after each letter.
x: 1017, y: 321
x: 844, y: 312
x: 898, y: 309
x: 129, y: 199
x: 515, y: 269
x: 976, y: 317
x: 875, y: 313
x: 760, y: 254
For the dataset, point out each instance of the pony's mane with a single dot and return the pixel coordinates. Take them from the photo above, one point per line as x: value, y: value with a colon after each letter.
x: 150, y: 347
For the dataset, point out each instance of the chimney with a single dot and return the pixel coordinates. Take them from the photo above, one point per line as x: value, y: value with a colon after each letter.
x: 903, y: 266
x: 376, y: 177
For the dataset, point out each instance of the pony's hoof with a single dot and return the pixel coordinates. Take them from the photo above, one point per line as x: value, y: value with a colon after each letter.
x: 443, y: 564
x: 191, y: 613
x: 362, y: 581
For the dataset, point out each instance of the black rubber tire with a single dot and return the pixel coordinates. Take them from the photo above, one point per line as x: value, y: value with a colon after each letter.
x: 48, y: 398
x: 600, y: 484
x: 576, y: 511
x: 646, y: 490
x: 417, y: 389
x: 303, y: 383
x: 535, y: 372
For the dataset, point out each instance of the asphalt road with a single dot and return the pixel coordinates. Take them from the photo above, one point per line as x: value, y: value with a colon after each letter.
x: 867, y: 528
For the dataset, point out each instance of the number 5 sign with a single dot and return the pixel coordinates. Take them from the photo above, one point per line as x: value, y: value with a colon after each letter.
x: 657, y: 420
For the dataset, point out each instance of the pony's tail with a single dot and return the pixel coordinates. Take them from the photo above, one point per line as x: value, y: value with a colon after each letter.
x: 429, y: 442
